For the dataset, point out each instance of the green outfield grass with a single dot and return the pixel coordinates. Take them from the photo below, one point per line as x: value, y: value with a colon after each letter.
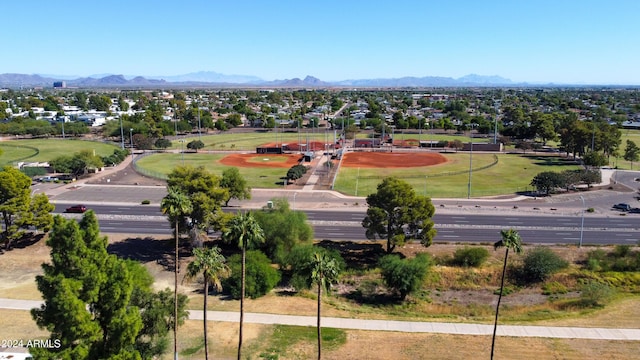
x: 512, y: 173
x: 249, y: 141
x: 48, y: 149
x: 160, y: 165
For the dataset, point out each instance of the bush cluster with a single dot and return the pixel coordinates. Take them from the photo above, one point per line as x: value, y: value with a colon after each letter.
x: 404, y: 276
x: 300, y: 262
x: 538, y: 265
x: 470, y: 256
x: 622, y: 259
x: 260, y: 276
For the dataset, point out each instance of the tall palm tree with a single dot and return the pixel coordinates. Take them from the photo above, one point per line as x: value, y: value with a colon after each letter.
x: 176, y: 205
x: 324, y: 272
x: 244, y: 230
x: 211, y: 264
x: 510, y: 240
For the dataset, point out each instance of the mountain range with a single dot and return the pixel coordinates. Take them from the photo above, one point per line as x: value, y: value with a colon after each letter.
x: 214, y: 79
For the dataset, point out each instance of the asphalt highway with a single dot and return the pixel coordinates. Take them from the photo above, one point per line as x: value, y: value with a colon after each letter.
x: 615, y: 228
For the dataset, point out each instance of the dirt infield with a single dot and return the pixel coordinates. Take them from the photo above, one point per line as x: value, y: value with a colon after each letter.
x: 391, y: 160
x: 261, y: 160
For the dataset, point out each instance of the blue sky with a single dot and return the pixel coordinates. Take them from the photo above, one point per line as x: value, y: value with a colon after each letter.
x: 560, y: 41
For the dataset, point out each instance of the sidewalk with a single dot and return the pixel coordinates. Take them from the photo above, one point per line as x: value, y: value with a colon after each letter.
x: 395, y: 325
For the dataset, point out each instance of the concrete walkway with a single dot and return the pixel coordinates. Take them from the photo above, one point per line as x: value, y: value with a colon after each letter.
x: 395, y: 325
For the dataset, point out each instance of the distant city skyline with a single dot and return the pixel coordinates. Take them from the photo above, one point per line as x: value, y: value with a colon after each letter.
x: 561, y: 42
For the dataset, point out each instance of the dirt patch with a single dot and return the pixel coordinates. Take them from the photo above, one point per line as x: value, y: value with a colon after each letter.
x: 391, y: 160
x: 261, y: 160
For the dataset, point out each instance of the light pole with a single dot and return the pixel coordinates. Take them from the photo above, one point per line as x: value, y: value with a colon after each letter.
x: 121, y: 134
x: 199, y: 125
x: 495, y: 128
x: 294, y: 201
x: 63, y: 136
x: 131, y: 139
x: 425, y: 185
x: 470, y: 166
x: 182, y: 150
x: 581, y: 222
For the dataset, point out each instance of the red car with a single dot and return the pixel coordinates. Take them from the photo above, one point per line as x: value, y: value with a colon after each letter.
x: 76, y: 209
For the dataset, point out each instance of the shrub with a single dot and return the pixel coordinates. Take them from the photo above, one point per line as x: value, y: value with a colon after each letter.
x: 146, y: 202
x: 594, y: 293
x: 260, y: 278
x: 554, y: 288
x: 470, y: 256
x: 300, y: 263
x: 539, y: 264
x: 621, y: 251
x: 404, y: 276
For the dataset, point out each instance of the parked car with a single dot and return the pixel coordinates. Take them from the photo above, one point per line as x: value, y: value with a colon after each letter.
x: 47, y: 179
x: 76, y: 209
x: 634, y: 211
x: 622, y: 207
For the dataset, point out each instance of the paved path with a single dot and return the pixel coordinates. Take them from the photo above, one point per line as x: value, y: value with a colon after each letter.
x: 395, y: 325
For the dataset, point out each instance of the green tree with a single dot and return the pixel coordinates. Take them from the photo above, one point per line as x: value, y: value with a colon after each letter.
x: 205, y: 193
x: 244, y: 231
x: 404, y: 276
x: 631, y: 152
x: 176, y: 205
x: 17, y: 209
x: 87, y: 296
x: 510, y: 241
x: 283, y: 229
x: 300, y: 262
x: 594, y: 159
x: 195, y: 145
x: 325, y: 271
x: 235, y: 184
x: 211, y: 264
x: 547, y: 181
x: 396, y: 210
x: 41, y: 209
x: 162, y: 143
x: 260, y: 275
x: 296, y: 172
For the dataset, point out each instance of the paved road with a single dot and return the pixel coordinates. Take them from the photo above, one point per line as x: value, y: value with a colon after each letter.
x: 395, y: 325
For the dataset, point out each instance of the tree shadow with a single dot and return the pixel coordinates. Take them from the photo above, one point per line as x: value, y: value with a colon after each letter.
x: 373, y: 298
x: 26, y: 240
x: 149, y: 249
x: 356, y: 255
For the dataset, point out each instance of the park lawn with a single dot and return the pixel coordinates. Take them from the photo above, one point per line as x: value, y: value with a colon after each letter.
x: 249, y: 141
x: 49, y: 149
x: 161, y: 164
x: 12, y: 152
x: 512, y: 173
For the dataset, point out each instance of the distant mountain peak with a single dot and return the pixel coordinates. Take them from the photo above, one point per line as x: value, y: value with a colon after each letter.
x: 212, y: 78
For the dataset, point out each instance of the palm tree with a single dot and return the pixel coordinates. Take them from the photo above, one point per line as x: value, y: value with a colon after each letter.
x: 245, y: 231
x: 324, y: 272
x: 211, y: 264
x: 510, y: 240
x: 176, y: 205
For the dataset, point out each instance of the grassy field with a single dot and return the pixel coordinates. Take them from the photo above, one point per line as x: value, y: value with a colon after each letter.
x: 160, y: 165
x: 511, y: 173
x: 249, y: 141
x: 48, y: 149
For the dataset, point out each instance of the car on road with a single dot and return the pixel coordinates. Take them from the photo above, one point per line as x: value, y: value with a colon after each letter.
x: 622, y: 207
x: 76, y: 209
x: 47, y: 179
